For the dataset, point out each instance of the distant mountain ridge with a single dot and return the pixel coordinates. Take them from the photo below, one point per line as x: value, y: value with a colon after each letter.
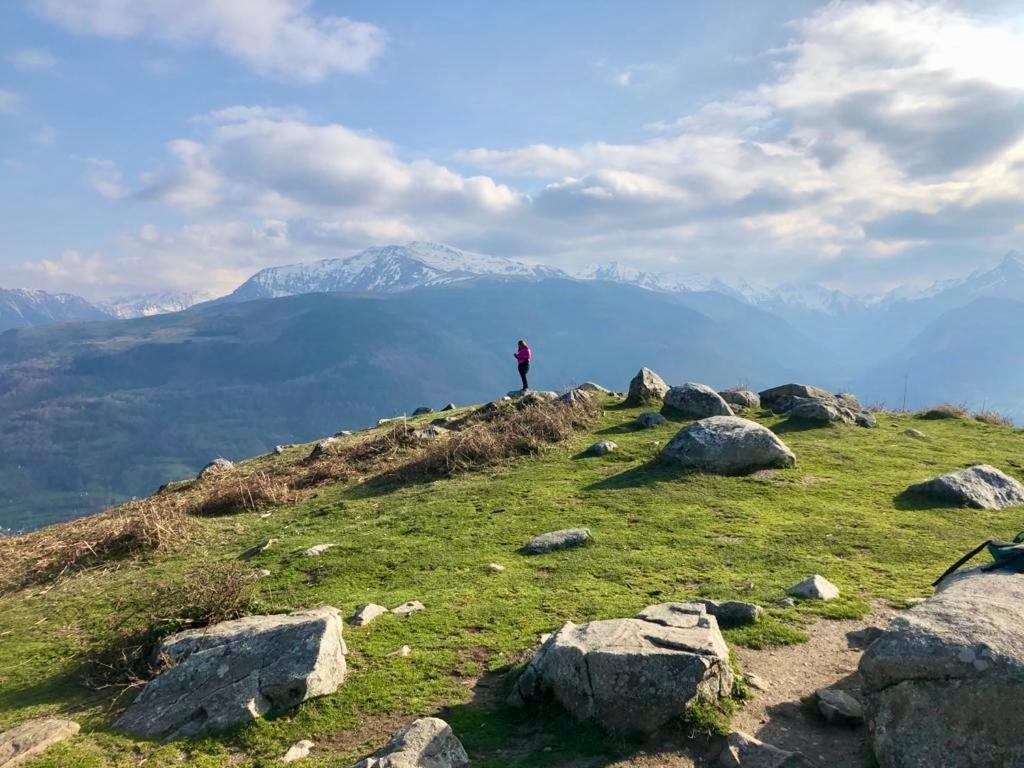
x: 149, y: 304
x: 384, y: 269
x: 23, y: 308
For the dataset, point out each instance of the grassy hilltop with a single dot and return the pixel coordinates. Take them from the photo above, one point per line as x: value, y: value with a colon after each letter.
x: 659, y: 535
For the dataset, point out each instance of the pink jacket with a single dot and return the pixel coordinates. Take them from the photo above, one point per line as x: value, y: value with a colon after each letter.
x: 523, y: 355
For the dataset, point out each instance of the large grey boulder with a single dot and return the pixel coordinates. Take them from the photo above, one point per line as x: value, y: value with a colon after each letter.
x: 549, y: 542
x: 944, y: 684
x: 646, y: 387
x: 28, y: 740
x: 741, y: 396
x: 236, y: 671
x: 428, y: 743
x: 741, y: 750
x: 815, y: 588
x: 631, y: 675
x: 770, y: 397
x: 981, y: 486
x: 697, y: 401
x: 727, y: 445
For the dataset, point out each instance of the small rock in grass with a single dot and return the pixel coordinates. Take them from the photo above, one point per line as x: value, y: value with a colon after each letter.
x: 261, y: 573
x: 649, y: 419
x: 402, y: 652
x: 601, y: 448
x: 449, y: 407
x: 838, y: 706
x: 411, y: 607
x: 23, y: 742
x: 427, y: 743
x: 815, y: 588
x: 786, y: 602
x: 422, y: 410
x: 981, y: 486
x: 264, y: 516
x: 368, y: 613
x: 915, y: 433
x: 297, y: 751
x: 732, y: 613
x: 344, y: 433
x: 278, y: 449
x: 549, y: 542
x: 757, y: 682
x: 590, y: 386
x: 263, y: 546
x: 316, y: 550
x: 744, y: 751
x: 495, y: 567
x: 323, y: 447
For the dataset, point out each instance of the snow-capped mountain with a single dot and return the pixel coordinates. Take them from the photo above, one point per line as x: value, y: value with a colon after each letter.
x: 21, y: 308
x: 387, y: 269
x: 663, y: 281
x: 154, y: 303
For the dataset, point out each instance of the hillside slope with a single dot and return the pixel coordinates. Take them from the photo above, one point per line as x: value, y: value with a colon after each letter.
x: 660, y: 535
x: 95, y: 413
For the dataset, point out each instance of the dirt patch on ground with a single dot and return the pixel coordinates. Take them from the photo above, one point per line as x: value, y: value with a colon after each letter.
x: 828, y: 659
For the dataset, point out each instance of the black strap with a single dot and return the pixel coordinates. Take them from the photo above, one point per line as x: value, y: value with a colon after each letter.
x: 961, y: 561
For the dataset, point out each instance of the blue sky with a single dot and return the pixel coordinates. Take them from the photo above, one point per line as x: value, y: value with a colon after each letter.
x: 153, y: 144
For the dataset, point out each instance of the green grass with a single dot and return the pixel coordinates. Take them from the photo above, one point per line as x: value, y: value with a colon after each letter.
x: 660, y: 535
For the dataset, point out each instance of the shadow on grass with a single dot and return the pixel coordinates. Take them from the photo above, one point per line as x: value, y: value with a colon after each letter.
x: 65, y: 688
x: 909, y: 499
x: 797, y: 425
x: 651, y: 472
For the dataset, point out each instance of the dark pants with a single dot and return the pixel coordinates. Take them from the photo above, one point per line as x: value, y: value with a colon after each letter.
x: 524, y: 368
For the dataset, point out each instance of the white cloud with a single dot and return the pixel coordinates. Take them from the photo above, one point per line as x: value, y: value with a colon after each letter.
x: 879, y: 128
x: 33, y: 60
x: 10, y: 101
x: 282, y: 38
x: 105, y: 178
x: 70, y: 269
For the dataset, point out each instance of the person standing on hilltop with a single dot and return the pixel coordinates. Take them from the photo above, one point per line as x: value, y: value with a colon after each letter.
x: 523, y: 356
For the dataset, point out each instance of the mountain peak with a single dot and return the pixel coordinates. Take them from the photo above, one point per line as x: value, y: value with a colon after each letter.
x: 385, y: 269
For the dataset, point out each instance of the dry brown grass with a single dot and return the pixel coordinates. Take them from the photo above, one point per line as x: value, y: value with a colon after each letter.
x: 500, y: 435
x: 213, y: 593
x: 485, y: 438
x: 49, y: 554
x: 945, y: 411
x: 993, y: 417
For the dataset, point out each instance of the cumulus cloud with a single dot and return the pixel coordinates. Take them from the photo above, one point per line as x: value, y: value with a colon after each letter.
x: 283, y: 38
x: 71, y: 267
x: 881, y: 130
x: 33, y: 60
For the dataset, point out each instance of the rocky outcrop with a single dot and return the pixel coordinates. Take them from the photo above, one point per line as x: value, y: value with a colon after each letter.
x: 28, y: 740
x: 575, y: 397
x: 428, y: 743
x: 805, y: 403
x: 646, y: 387
x: 549, y: 542
x: 236, y: 671
x: 590, y: 386
x: 216, y: 467
x: 771, y: 397
x: 838, y: 706
x: 650, y: 419
x: 981, y: 486
x: 742, y: 397
x: 943, y: 684
x: 422, y: 410
x: 431, y: 432
x: 727, y: 445
x: 696, y: 401
x: 631, y: 675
